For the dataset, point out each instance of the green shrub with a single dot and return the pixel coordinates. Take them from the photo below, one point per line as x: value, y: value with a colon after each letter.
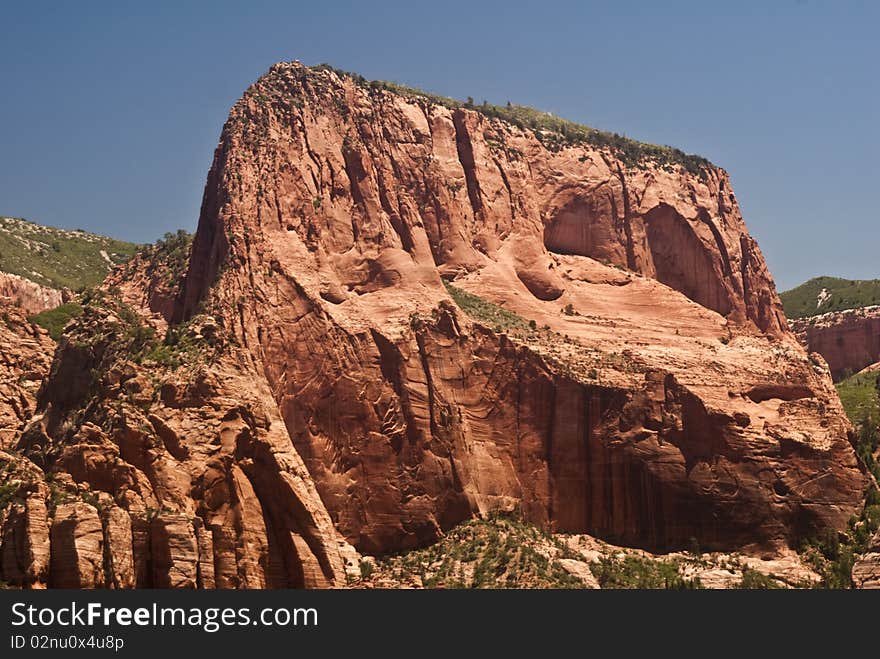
x: 754, y: 580
x: 7, y: 494
x: 57, y: 495
x: 833, y: 555
x: 169, y: 257
x: 637, y: 572
x: 484, y: 311
x: 54, y: 320
x: 90, y: 498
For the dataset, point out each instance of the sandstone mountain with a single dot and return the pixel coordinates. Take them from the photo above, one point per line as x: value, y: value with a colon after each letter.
x: 400, y: 312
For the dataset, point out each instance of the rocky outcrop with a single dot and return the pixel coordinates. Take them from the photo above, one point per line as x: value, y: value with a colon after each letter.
x: 25, y: 543
x: 848, y: 340
x: 77, y: 541
x: 28, y: 296
x: 25, y: 357
x: 193, y: 470
x: 175, y: 552
x: 151, y: 279
x: 119, y: 561
x: 651, y: 414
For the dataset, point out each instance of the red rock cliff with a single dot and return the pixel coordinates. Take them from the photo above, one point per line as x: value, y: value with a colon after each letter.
x: 848, y: 340
x: 668, y: 401
x: 27, y: 295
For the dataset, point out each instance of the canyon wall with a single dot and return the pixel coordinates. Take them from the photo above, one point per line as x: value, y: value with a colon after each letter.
x: 28, y: 296
x: 25, y: 358
x: 848, y: 340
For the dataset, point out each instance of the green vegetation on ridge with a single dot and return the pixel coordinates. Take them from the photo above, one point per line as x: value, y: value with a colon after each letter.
x: 839, y: 294
x: 169, y: 257
x: 166, y: 259
x: 505, y: 552
x: 493, y: 315
x: 58, y: 258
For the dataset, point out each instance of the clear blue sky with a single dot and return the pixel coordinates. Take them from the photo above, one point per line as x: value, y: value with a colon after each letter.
x: 110, y: 111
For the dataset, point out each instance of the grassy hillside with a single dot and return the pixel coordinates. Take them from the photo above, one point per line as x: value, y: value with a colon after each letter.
x: 860, y: 396
x: 58, y: 258
x: 808, y: 299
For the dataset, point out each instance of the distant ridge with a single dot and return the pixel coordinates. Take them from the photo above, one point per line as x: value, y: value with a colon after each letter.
x: 58, y: 258
x: 823, y: 294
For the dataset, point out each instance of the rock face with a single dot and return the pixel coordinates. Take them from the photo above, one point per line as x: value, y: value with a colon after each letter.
x: 609, y: 358
x: 163, y: 466
x: 119, y: 563
x: 77, y: 547
x: 866, y: 571
x: 848, y: 340
x: 28, y: 296
x: 25, y: 543
x: 450, y: 190
x: 202, y: 466
x: 332, y: 210
x: 25, y: 357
